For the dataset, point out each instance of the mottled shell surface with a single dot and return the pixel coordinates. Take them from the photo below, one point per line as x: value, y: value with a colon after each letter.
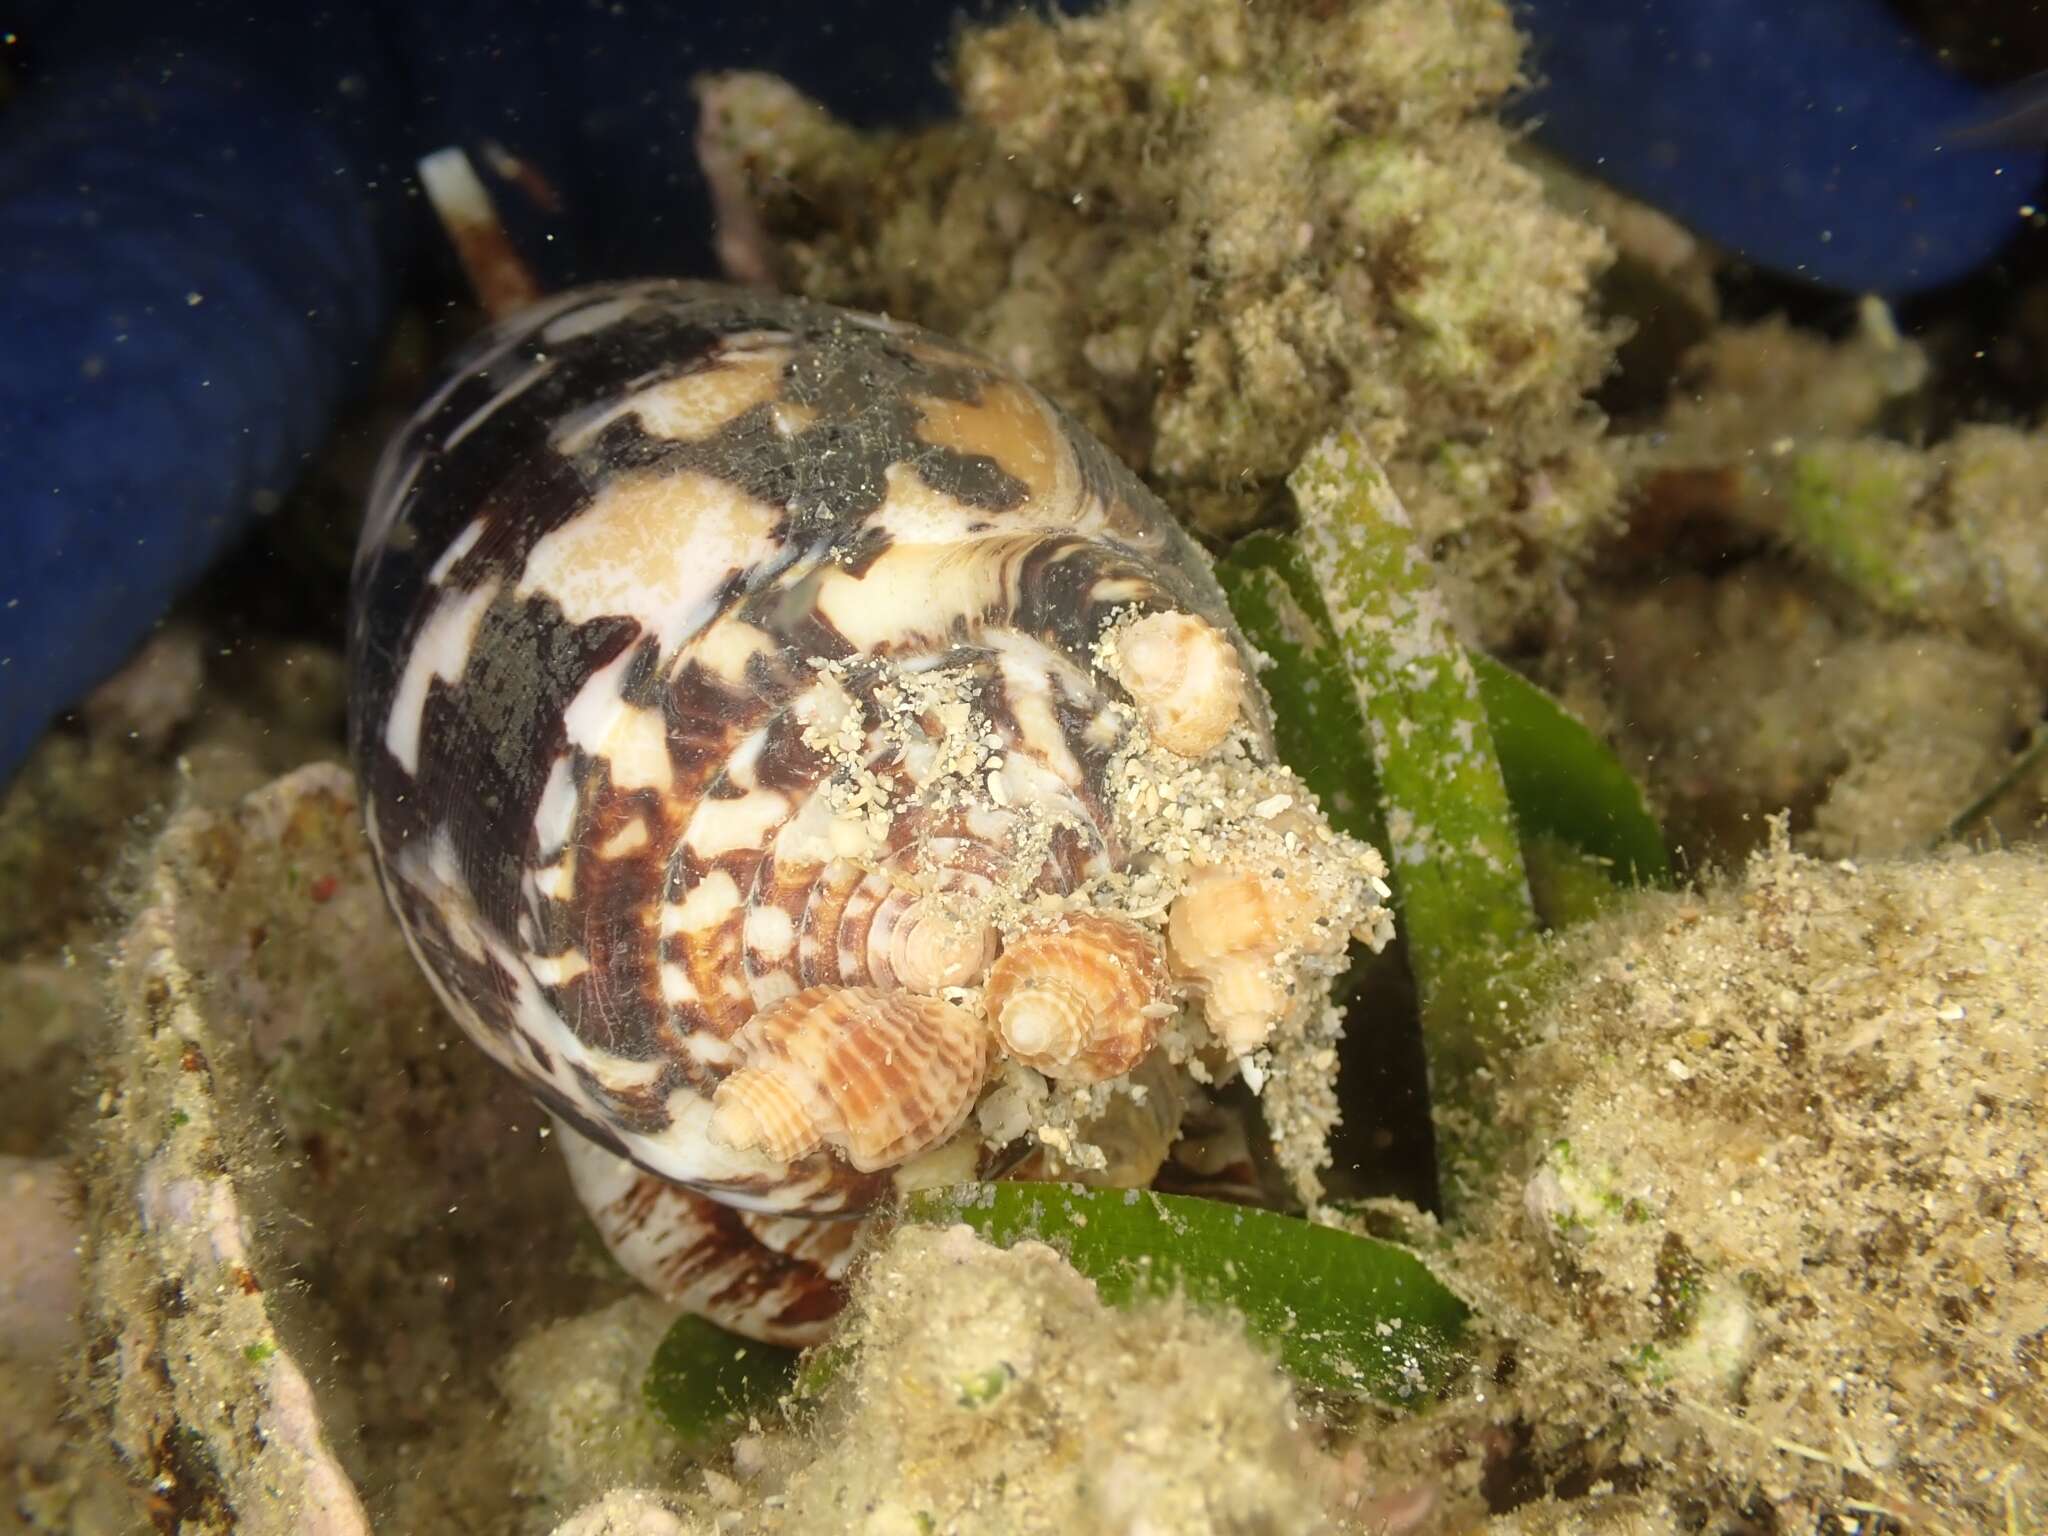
x: 704, y: 646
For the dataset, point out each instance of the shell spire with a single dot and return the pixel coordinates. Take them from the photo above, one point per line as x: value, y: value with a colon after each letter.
x: 934, y: 944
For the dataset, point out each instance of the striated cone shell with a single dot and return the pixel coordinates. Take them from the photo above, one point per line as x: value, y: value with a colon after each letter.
x: 1082, y: 999
x: 880, y: 1076
x: 697, y: 638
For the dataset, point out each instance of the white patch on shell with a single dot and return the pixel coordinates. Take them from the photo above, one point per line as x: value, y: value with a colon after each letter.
x: 741, y: 346
x: 555, y: 818
x: 917, y: 589
x: 657, y: 548
x: 1028, y: 668
x: 913, y: 513
x: 619, y: 1074
x: 558, y: 970
x: 459, y: 546
x: 557, y: 882
x: 1107, y: 590
x: 720, y: 826
x: 743, y: 762
x: 1106, y: 727
x: 590, y: 318
x: 630, y: 838
x: 770, y: 933
x: 707, y: 904
x: 631, y: 740
x: 806, y: 838
x: 483, y: 413
x: 687, y: 408
x: 441, y: 882
x: 440, y: 650
x: 771, y: 987
x: 726, y: 647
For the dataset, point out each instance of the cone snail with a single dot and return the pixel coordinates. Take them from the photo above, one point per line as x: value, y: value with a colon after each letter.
x: 744, y: 691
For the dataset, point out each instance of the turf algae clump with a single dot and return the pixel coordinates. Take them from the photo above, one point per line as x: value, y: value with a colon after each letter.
x: 992, y: 1391
x: 1821, y: 602
x: 1216, y: 232
x: 310, y: 1230
x: 575, y: 1411
x: 1777, y: 1244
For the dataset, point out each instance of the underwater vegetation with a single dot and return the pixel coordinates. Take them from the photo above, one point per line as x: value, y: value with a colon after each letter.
x: 204, y: 226
x: 1023, y: 788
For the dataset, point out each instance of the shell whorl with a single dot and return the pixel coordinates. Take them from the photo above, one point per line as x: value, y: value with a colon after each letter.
x: 708, y: 648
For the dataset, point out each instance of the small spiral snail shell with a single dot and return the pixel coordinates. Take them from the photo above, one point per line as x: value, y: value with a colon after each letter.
x: 880, y: 1075
x: 1226, y: 932
x: 1081, y: 999
x: 736, y: 685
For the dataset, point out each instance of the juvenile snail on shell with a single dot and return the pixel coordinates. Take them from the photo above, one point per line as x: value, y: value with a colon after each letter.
x: 726, y: 667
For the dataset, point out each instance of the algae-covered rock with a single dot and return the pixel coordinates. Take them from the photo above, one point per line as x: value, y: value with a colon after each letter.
x: 188, y: 1370
x: 993, y: 1392
x: 1779, y: 1244
x: 1748, y: 695
x: 1818, y: 445
x: 1214, y: 232
x: 627, y: 1512
x: 313, y: 1222
x: 576, y: 1409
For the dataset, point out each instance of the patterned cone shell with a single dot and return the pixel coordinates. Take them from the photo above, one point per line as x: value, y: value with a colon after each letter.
x: 642, y: 593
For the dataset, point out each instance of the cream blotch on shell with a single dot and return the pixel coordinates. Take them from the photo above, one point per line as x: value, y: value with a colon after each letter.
x: 708, y: 649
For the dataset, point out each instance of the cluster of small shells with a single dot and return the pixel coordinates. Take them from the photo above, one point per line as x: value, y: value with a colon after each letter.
x: 1236, y: 900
